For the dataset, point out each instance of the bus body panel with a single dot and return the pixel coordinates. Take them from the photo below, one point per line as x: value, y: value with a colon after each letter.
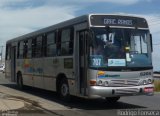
x: 8, y: 69
x: 50, y: 71
x: 23, y: 67
x: 38, y: 72
x: 42, y: 73
x: 101, y: 92
x: 129, y: 83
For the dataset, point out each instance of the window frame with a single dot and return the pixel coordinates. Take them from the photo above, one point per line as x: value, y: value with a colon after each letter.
x: 47, y: 45
x: 8, y: 52
x: 35, y: 48
x: 70, y: 42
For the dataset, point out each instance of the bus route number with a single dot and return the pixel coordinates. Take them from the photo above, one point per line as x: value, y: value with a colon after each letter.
x: 96, y: 61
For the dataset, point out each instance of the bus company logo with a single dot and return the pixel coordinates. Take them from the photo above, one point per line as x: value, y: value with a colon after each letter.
x: 145, y: 73
x: 102, y: 74
x: 110, y: 62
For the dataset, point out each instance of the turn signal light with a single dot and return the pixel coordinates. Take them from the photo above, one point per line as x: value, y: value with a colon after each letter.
x: 92, y: 82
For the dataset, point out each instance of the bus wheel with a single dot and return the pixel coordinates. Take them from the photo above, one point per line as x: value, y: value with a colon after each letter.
x: 64, y: 90
x: 20, y: 81
x: 112, y: 99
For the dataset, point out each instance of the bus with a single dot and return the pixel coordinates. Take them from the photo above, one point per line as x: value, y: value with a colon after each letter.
x: 92, y: 56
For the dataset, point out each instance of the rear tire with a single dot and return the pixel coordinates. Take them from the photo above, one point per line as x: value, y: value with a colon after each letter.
x: 64, y: 90
x: 112, y: 99
x: 20, y: 82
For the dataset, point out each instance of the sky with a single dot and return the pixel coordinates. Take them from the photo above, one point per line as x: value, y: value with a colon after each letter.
x: 18, y: 17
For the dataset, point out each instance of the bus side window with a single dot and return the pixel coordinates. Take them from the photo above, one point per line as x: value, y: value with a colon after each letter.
x: 25, y: 49
x: 50, y: 45
x: 33, y: 47
x: 38, y: 52
x: 20, y: 50
x: 8, y: 54
x: 58, y: 42
x: 29, y: 48
x: 67, y: 42
x: 37, y: 47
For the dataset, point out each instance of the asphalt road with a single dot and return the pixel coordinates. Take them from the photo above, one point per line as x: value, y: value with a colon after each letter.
x: 47, y: 103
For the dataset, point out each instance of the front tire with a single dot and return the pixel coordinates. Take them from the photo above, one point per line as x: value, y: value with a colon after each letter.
x: 64, y: 90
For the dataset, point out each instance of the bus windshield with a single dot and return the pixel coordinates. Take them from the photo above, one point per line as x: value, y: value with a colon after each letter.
x: 115, y: 47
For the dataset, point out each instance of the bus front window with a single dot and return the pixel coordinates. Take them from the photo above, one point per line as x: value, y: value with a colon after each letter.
x: 119, y: 48
x: 105, y: 46
x: 139, y: 54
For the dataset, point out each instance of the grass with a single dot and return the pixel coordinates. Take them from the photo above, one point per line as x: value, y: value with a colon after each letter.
x: 157, y: 85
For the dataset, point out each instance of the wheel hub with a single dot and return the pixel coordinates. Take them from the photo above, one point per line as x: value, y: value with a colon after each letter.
x: 64, y: 89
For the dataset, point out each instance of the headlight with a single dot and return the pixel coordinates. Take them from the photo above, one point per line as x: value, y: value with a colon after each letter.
x: 106, y: 83
x: 100, y: 82
x: 150, y: 81
x: 144, y: 82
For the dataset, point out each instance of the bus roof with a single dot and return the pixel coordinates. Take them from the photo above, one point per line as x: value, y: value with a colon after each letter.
x: 84, y: 18
x: 64, y: 24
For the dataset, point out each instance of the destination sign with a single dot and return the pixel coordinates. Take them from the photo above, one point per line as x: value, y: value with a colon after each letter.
x: 117, y: 20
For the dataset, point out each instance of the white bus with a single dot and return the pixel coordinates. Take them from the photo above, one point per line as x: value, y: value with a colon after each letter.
x: 91, y: 56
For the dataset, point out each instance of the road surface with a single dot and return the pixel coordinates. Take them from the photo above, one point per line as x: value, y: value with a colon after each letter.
x: 39, y: 102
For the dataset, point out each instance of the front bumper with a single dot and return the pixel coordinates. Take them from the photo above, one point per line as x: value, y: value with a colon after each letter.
x: 100, y: 91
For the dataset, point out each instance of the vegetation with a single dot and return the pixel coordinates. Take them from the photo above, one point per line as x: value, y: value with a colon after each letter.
x: 157, y: 85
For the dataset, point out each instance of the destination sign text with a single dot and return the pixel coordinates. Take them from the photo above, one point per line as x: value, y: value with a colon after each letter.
x: 117, y: 22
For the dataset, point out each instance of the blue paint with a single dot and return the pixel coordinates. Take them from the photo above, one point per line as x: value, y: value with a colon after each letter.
x: 34, y: 70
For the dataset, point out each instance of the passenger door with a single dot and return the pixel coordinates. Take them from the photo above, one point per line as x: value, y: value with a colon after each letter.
x: 83, y: 61
x: 13, y: 64
x: 80, y: 59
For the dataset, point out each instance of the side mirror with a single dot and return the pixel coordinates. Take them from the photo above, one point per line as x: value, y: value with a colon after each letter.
x: 151, y: 42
